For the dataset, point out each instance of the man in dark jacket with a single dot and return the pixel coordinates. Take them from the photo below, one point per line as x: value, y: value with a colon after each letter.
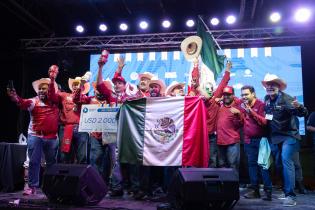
x: 281, y: 110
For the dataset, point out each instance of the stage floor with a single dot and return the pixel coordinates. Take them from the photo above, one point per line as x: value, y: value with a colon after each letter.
x: 39, y: 201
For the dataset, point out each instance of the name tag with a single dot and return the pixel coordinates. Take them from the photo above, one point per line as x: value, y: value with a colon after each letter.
x: 268, y: 116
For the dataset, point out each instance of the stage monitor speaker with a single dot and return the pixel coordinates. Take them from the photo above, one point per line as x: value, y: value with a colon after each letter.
x: 73, y: 184
x: 204, y: 188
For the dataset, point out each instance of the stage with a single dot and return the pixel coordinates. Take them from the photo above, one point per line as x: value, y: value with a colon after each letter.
x: 39, y: 201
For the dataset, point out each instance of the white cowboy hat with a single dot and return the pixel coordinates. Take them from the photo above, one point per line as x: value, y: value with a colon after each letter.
x: 159, y: 82
x: 274, y: 78
x: 146, y: 74
x: 171, y: 87
x: 78, y: 79
x: 191, y: 47
x: 36, y: 84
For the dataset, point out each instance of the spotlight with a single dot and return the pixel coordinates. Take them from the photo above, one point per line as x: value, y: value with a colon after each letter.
x: 302, y: 15
x: 123, y: 26
x: 275, y: 17
x: 166, y: 24
x: 143, y: 25
x: 230, y: 19
x: 79, y: 29
x: 214, y: 21
x: 102, y: 27
x: 190, y: 23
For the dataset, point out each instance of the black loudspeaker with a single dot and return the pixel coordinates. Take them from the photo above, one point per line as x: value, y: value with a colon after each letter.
x: 73, y: 184
x: 204, y: 188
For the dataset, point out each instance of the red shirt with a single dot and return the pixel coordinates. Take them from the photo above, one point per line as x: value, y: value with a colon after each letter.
x: 228, y: 125
x: 254, y: 122
x: 70, y: 111
x: 44, y: 117
x: 212, y: 106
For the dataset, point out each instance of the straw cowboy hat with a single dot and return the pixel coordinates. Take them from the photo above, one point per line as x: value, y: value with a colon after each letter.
x: 191, y: 47
x: 275, y: 79
x: 172, y: 86
x: 36, y: 84
x: 159, y: 82
x: 146, y: 74
x: 107, y: 83
x: 78, y: 80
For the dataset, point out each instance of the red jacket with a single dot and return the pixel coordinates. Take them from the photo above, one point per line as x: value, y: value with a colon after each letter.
x: 228, y: 125
x: 44, y: 117
x: 212, y: 106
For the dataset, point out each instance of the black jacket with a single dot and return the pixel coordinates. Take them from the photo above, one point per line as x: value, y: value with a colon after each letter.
x: 284, y: 115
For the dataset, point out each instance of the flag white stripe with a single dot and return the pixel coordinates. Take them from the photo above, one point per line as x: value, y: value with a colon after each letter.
x: 158, y: 147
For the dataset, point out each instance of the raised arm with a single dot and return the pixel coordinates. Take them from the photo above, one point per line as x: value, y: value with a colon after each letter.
x: 52, y: 92
x: 224, y: 82
x: 24, y: 104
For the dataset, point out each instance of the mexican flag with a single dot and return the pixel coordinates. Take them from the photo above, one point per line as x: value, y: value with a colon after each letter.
x: 208, y: 52
x: 163, y: 131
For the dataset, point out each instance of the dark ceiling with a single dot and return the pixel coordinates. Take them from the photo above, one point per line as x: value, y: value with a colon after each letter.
x: 44, y: 18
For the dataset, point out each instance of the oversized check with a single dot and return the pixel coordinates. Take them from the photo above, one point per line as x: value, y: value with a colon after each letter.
x: 95, y: 118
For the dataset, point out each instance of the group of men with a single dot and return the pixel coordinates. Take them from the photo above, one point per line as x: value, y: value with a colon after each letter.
x: 55, y: 113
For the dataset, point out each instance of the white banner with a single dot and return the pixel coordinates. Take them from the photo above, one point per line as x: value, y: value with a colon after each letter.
x: 95, y: 118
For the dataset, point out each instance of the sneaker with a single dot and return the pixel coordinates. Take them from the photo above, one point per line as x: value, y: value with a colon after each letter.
x: 141, y: 195
x: 29, y: 191
x: 281, y: 196
x: 289, y: 201
x: 116, y: 193
x: 252, y: 194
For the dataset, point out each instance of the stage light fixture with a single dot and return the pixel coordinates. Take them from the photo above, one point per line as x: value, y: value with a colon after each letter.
x: 166, y: 23
x: 190, y: 23
x: 123, y: 26
x: 231, y: 19
x: 302, y: 15
x: 79, y: 28
x: 143, y: 25
x: 275, y: 17
x: 214, y: 21
x: 103, y: 27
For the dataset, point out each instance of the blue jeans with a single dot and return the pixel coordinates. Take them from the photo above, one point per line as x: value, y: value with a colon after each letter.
x: 213, y: 161
x: 229, y: 156
x: 115, y: 177
x: 98, y: 156
x: 286, y: 150
x: 36, y: 146
x: 251, y: 151
x: 79, y: 147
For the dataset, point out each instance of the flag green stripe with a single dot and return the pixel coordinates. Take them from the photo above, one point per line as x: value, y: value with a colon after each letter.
x: 208, y: 52
x: 131, y: 131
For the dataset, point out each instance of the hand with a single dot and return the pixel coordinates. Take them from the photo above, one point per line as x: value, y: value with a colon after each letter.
x: 101, y: 62
x: 218, y: 100
x: 235, y: 111
x: 53, y: 72
x: 11, y: 93
x: 247, y: 108
x: 121, y: 62
x: 228, y: 66
x: 295, y: 103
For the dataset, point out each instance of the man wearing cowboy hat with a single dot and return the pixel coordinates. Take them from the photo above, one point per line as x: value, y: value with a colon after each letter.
x: 42, y: 130
x: 156, y: 87
x: 281, y: 111
x: 175, y: 89
x: 73, y: 143
x: 143, y: 86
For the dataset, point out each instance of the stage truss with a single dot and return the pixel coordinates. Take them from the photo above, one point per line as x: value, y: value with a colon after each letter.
x: 170, y: 41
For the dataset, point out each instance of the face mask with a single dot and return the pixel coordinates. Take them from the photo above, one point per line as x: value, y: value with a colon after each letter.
x: 208, y: 90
